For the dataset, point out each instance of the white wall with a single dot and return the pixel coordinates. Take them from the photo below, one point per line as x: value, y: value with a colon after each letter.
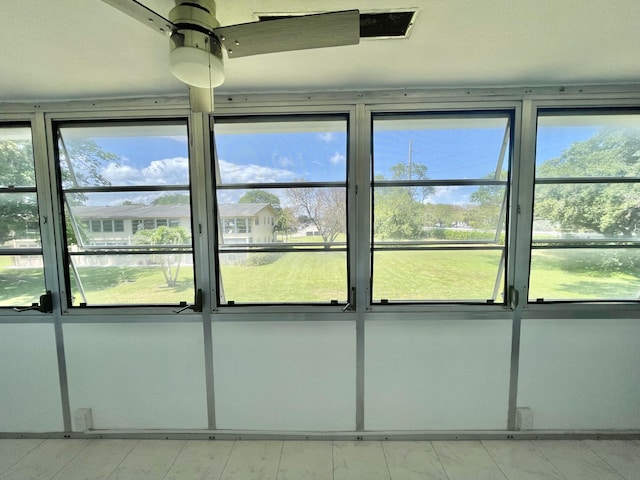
x: 29, y: 383
x: 581, y: 374
x: 285, y: 375
x: 138, y: 376
x: 437, y: 375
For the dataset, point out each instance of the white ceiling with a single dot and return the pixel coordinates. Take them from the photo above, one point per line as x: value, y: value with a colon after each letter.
x: 81, y: 49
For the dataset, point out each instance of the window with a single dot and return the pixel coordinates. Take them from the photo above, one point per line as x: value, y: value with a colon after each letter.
x: 292, y: 169
x: 124, y: 180
x: 586, y: 223
x: 440, y: 189
x: 21, y: 262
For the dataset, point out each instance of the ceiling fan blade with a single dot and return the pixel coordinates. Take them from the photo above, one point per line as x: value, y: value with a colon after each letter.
x: 291, y: 33
x: 143, y: 14
x: 201, y: 99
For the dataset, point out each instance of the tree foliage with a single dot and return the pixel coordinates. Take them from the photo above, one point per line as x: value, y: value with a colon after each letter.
x: 397, y: 215
x: 326, y: 209
x: 261, y: 196
x: 606, y: 208
x: 168, y: 199
x: 169, y: 262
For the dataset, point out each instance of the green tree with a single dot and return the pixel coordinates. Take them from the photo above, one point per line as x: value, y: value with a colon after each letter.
x: 397, y: 215
x: 487, y: 203
x: 413, y: 171
x: 261, y: 196
x: 606, y: 208
x: 17, y: 210
x: 165, y: 236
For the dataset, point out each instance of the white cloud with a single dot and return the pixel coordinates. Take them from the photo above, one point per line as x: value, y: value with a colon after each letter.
x: 169, y: 171
x: 452, y: 195
x: 337, y: 158
x: 233, y: 173
x: 326, y: 137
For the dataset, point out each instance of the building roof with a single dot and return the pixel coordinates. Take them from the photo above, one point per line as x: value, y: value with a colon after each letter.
x: 166, y: 211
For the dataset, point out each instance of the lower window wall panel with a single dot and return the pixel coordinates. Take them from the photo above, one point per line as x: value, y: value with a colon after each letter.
x: 29, y: 382
x: 437, y: 375
x: 138, y: 375
x: 285, y: 376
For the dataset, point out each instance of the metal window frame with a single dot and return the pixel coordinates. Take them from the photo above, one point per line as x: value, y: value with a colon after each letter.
x: 286, y: 114
x: 584, y: 308
x: 103, y: 118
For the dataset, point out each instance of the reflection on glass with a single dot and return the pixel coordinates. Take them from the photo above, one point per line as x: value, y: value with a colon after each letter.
x: 588, y: 145
x: 276, y: 277
x: 19, y: 226
x: 285, y: 151
x: 438, y: 275
x: 21, y: 280
x: 591, y: 211
x: 16, y: 158
x: 124, y: 155
x: 585, y: 274
x: 439, y: 147
x: 151, y: 279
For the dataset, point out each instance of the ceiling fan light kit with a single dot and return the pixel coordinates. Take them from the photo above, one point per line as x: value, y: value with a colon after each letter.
x: 196, y: 56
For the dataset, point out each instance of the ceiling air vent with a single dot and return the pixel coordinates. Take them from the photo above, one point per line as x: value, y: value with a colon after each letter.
x: 372, y: 25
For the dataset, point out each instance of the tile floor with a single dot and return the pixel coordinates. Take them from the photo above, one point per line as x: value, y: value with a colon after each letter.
x: 318, y: 460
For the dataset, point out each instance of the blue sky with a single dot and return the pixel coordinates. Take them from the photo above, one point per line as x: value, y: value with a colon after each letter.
x: 321, y: 156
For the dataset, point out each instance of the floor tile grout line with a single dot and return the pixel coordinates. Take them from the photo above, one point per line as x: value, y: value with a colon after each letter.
x: 174, y: 460
x: 71, y: 459
x: 18, y: 460
x: 280, y: 460
x: 605, y: 461
x: 386, y: 462
x: 443, y: 466
x: 124, y: 458
x: 541, y: 453
x: 444, y: 470
x: 227, y: 461
x: 333, y: 460
x: 494, y: 460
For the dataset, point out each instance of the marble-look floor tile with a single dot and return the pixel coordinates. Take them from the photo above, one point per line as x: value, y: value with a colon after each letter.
x: 623, y: 456
x: 413, y: 461
x: 519, y: 459
x: 98, y: 461
x: 253, y: 460
x: 14, y: 450
x: 306, y: 460
x: 359, y: 460
x: 575, y: 460
x: 149, y: 460
x: 467, y: 460
x: 201, y: 460
x: 46, y: 460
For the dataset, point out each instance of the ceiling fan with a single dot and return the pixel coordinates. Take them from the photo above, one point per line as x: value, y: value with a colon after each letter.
x: 197, y: 40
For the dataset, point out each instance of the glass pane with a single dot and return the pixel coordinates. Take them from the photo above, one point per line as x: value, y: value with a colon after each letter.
x: 438, y: 275
x: 151, y: 279
x: 288, y: 151
x: 21, y: 280
x: 16, y: 158
x: 130, y: 218
x: 585, y: 274
x: 588, y: 146
x: 293, y: 277
x: 451, y: 213
x: 124, y: 155
x: 19, y: 226
x: 453, y: 147
x: 595, y: 211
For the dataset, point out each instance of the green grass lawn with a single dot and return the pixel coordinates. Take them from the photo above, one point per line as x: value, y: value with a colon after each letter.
x: 321, y: 276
